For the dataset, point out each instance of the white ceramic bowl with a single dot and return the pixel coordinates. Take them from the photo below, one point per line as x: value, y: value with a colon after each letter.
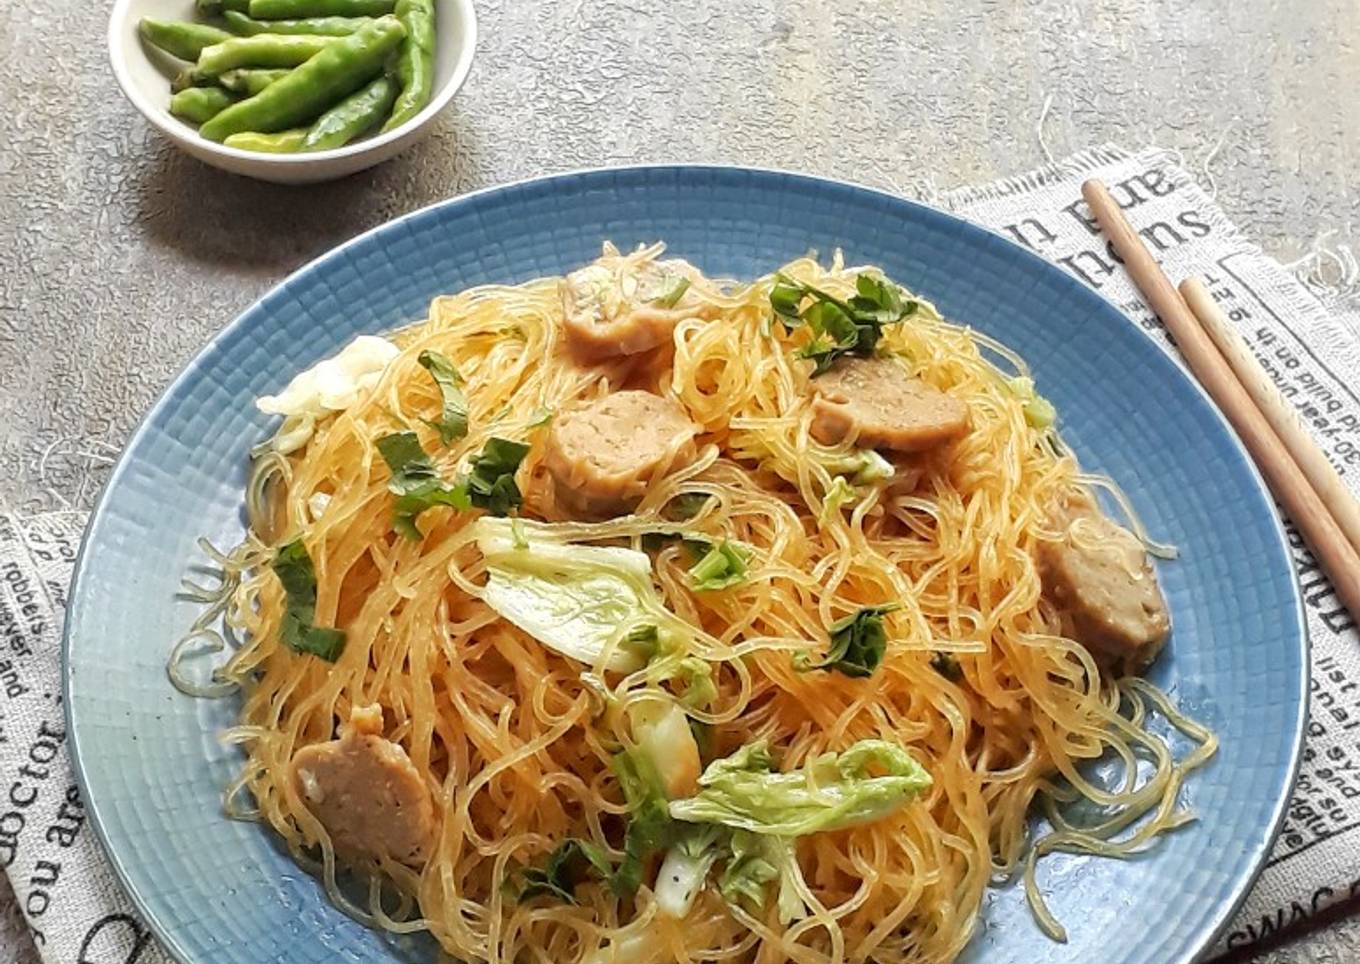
x: 142, y: 73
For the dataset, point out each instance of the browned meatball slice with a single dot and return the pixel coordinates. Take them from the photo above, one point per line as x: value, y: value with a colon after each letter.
x: 620, y: 306
x: 367, y: 793
x: 874, y: 403
x: 602, y: 455
x: 1101, y: 580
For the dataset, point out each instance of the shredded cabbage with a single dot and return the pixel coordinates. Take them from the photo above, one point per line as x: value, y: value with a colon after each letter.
x: 834, y: 791
x: 331, y: 385
x: 578, y: 600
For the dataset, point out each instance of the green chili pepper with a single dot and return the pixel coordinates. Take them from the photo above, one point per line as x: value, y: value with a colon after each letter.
x: 344, y: 66
x: 284, y: 142
x: 296, y: 9
x: 262, y: 50
x: 200, y: 104
x: 352, y: 116
x: 211, y: 8
x: 180, y: 39
x: 192, y: 77
x: 251, y: 82
x: 415, y: 63
x: 240, y: 24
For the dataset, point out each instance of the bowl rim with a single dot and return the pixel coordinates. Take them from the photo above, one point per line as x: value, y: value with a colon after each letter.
x: 178, y: 131
x: 1216, y: 924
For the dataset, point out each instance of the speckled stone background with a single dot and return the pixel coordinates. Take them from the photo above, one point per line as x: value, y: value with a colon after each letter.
x: 119, y: 257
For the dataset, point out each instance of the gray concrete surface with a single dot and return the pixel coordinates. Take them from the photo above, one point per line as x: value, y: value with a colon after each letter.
x: 119, y: 256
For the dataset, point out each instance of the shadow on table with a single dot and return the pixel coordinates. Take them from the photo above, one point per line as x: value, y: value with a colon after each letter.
x: 240, y: 224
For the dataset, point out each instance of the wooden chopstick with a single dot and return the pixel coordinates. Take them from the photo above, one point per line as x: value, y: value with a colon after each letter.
x: 1334, y: 553
x: 1344, y: 508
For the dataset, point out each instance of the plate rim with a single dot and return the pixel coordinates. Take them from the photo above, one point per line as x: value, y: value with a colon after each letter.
x: 1242, y: 884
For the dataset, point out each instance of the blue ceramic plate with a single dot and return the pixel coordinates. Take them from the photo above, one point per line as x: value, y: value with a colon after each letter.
x: 148, y: 759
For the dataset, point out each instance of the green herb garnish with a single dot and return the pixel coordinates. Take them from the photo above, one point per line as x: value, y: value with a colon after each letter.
x: 672, y: 295
x: 839, y: 327
x: 452, y: 423
x: 570, y: 864
x: 411, y: 466
x: 723, y: 565
x: 489, y: 484
x: 858, y: 642
x: 1039, y: 411
x: 416, y: 482
x: 649, y: 821
x: 491, y: 477
x: 298, y: 631
x: 685, y: 506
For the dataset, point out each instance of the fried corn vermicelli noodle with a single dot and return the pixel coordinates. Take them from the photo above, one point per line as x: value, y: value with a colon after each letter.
x: 514, y: 741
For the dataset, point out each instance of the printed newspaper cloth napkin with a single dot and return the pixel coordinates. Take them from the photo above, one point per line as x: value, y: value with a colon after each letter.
x: 77, y: 912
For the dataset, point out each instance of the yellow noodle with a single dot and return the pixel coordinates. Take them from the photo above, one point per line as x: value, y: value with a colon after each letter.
x: 514, y: 741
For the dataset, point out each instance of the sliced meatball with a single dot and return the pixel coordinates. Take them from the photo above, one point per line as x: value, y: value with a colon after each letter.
x: 366, y: 793
x: 621, y: 305
x: 874, y: 403
x: 602, y: 455
x: 1100, y: 578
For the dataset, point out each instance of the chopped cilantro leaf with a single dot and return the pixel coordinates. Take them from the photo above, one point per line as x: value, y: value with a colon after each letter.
x: 570, y: 864
x: 294, y: 568
x: 858, y: 643
x: 452, y: 423
x: 491, y: 479
x: 839, y: 327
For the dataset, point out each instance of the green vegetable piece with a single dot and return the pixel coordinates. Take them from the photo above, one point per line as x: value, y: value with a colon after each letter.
x: 685, y: 868
x: 294, y: 9
x: 212, y: 8
x: 452, y: 424
x: 192, y: 77
x: 416, y: 482
x: 250, y: 82
x: 284, y: 142
x: 411, y: 467
x: 699, y: 690
x: 357, y: 113
x: 722, y: 566
x: 1039, y: 411
x: 570, y: 864
x: 756, y: 861
x: 245, y: 26
x: 179, y: 38
x: 574, y: 599
x: 491, y: 481
x: 748, y: 871
x: 839, y: 327
x: 199, y: 104
x: 879, y: 299
x: 858, y: 642
x: 650, y: 829
x: 834, y: 790
x: 261, y: 50
x: 685, y: 506
x: 947, y: 666
x: 671, y: 296
x: 785, y: 298
x: 298, y: 631
x: 344, y: 65
x: 415, y: 62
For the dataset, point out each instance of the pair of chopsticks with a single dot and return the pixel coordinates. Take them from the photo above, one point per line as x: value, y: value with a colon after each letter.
x: 1299, y: 474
